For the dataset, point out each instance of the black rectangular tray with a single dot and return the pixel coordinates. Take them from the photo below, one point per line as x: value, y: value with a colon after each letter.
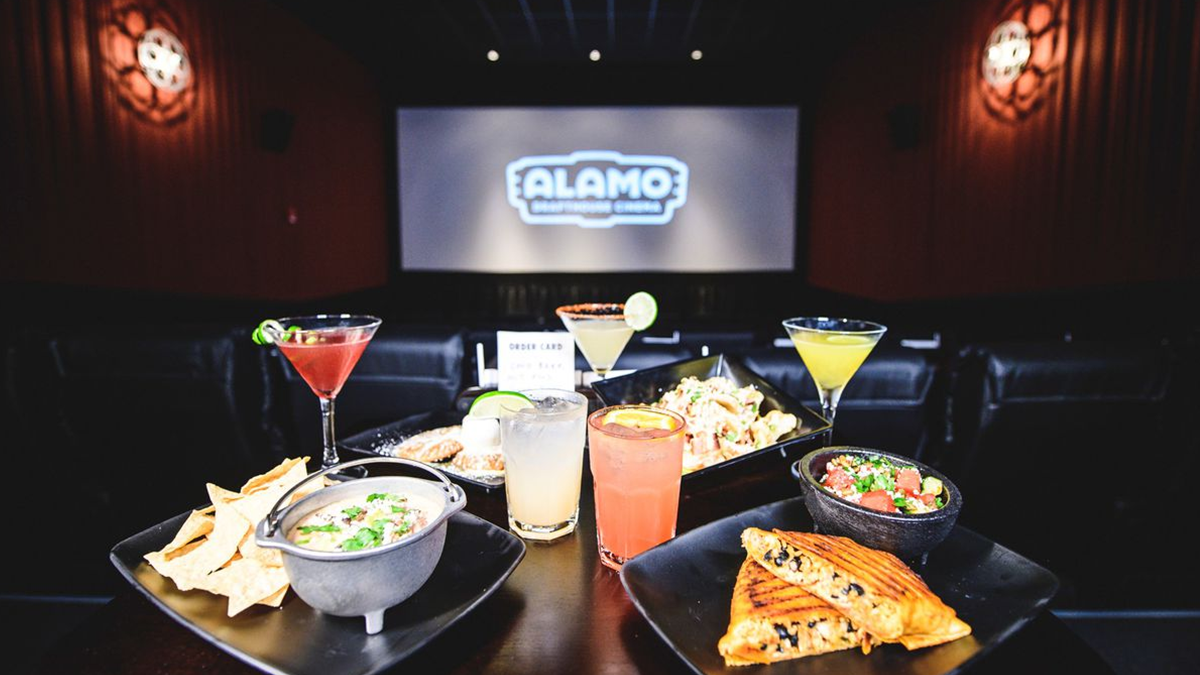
x: 648, y: 386
x: 372, y: 443
x: 684, y: 587
x: 297, y: 639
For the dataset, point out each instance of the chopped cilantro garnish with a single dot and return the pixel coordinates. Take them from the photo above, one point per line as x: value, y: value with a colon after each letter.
x: 303, y: 541
x: 352, y: 512
x: 399, y: 509
x: 884, y: 482
x: 864, y: 484
x: 309, y: 529
x: 696, y: 396
x: 901, y: 503
x: 365, y: 538
x: 375, y: 496
x: 731, y: 436
x: 938, y: 501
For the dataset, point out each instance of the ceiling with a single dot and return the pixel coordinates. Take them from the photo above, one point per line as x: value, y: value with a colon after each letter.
x: 400, y: 37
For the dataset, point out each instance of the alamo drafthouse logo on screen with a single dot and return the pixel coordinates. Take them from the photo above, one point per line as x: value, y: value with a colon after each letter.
x: 597, y: 188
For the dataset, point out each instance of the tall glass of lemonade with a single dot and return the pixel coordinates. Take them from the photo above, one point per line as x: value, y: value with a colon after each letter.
x: 543, y: 462
x: 833, y: 350
x: 637, y: 462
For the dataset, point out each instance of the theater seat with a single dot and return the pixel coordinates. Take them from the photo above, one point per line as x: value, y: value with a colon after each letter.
x: 405, y: 370
x: 887, y: 405
x: 140, y: 417
x: 1062, y: 453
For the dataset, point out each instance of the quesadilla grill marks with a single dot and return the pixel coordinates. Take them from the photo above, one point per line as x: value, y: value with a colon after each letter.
x: 873, y: 588
x: 771, y: 620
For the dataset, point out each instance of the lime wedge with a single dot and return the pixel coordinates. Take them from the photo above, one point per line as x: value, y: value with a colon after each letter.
x: 489, y: 404
x: 261, y: 336
x: 641, y: 309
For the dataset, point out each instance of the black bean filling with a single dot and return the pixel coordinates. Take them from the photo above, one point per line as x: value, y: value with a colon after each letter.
x: 785, y: 634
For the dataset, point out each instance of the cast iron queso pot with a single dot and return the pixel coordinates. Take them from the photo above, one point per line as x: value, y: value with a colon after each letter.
x: 367, y: 582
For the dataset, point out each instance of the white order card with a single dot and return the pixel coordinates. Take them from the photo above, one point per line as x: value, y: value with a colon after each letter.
x: 535, y: 360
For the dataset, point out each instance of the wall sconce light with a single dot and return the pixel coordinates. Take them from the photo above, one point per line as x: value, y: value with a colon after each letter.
x: 1006, y: 53
x: 163, y: 59
x: 1022, y: 57
x: 147, y: 63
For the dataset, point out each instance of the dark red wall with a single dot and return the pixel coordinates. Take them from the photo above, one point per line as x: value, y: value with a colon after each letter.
x: 96, y: 195
x: 1100, y: 185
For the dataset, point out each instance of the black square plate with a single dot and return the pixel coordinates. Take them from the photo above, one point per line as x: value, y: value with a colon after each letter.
x: 375, y: 443
x: 298, y: 640
x: 648, y: 386
x: 684, y: 587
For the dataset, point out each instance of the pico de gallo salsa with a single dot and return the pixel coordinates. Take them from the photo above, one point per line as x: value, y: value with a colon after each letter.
x: 877, y: 482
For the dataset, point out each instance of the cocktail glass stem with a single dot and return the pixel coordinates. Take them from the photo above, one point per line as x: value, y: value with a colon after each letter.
x: 330, y: 457
x: 829, y: 402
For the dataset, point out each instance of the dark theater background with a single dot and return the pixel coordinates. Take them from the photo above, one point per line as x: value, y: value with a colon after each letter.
x: 1032, y: 243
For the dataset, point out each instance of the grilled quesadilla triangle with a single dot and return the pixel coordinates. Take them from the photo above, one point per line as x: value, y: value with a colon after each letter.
x: 874, y: 589
x: 771, y: 620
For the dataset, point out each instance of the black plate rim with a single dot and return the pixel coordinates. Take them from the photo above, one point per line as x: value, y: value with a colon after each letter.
x: 761, y: 383
x: 1035, y: 609
x: 127, y: 574
x: 408, y: 420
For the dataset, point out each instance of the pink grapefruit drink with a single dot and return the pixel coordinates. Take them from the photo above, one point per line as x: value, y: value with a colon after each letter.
x: 637, y: 461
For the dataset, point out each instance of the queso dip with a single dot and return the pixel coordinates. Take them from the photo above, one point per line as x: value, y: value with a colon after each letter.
x: 363, y: 522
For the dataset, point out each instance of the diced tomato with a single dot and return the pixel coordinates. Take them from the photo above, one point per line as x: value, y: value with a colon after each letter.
x: 879, y: 500
x: 909, y: 480
x: 838, y: 479
x: 927, y: 499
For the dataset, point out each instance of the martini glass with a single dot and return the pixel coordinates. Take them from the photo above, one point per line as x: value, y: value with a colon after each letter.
x: 832, y: 350
x: 600, y: 330
x: 324, y: 349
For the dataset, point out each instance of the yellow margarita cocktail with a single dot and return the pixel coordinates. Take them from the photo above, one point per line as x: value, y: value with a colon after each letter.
x: 602, y: 329
x: 833, y: 350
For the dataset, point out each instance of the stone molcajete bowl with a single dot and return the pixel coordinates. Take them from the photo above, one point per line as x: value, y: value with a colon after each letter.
x: 908, y: 536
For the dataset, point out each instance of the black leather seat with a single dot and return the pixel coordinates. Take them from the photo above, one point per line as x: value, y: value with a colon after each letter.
x: 139, y: 418
x: 405, y: 370
x: 887, y: 405
x: 1062, y: 453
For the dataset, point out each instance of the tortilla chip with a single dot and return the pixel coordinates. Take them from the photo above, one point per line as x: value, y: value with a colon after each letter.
x: 188, y: 571
x: 159, y: 560
x: 263, y: 481
x: 254, y: 507
x: 275, y: 600
x: 197, y: 525
x: 268, y: 556
x: 246, y: 582
x: 215, y: 549
x: 309, y: 488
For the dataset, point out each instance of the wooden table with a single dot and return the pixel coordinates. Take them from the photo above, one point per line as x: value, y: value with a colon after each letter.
x: 560, y: 612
